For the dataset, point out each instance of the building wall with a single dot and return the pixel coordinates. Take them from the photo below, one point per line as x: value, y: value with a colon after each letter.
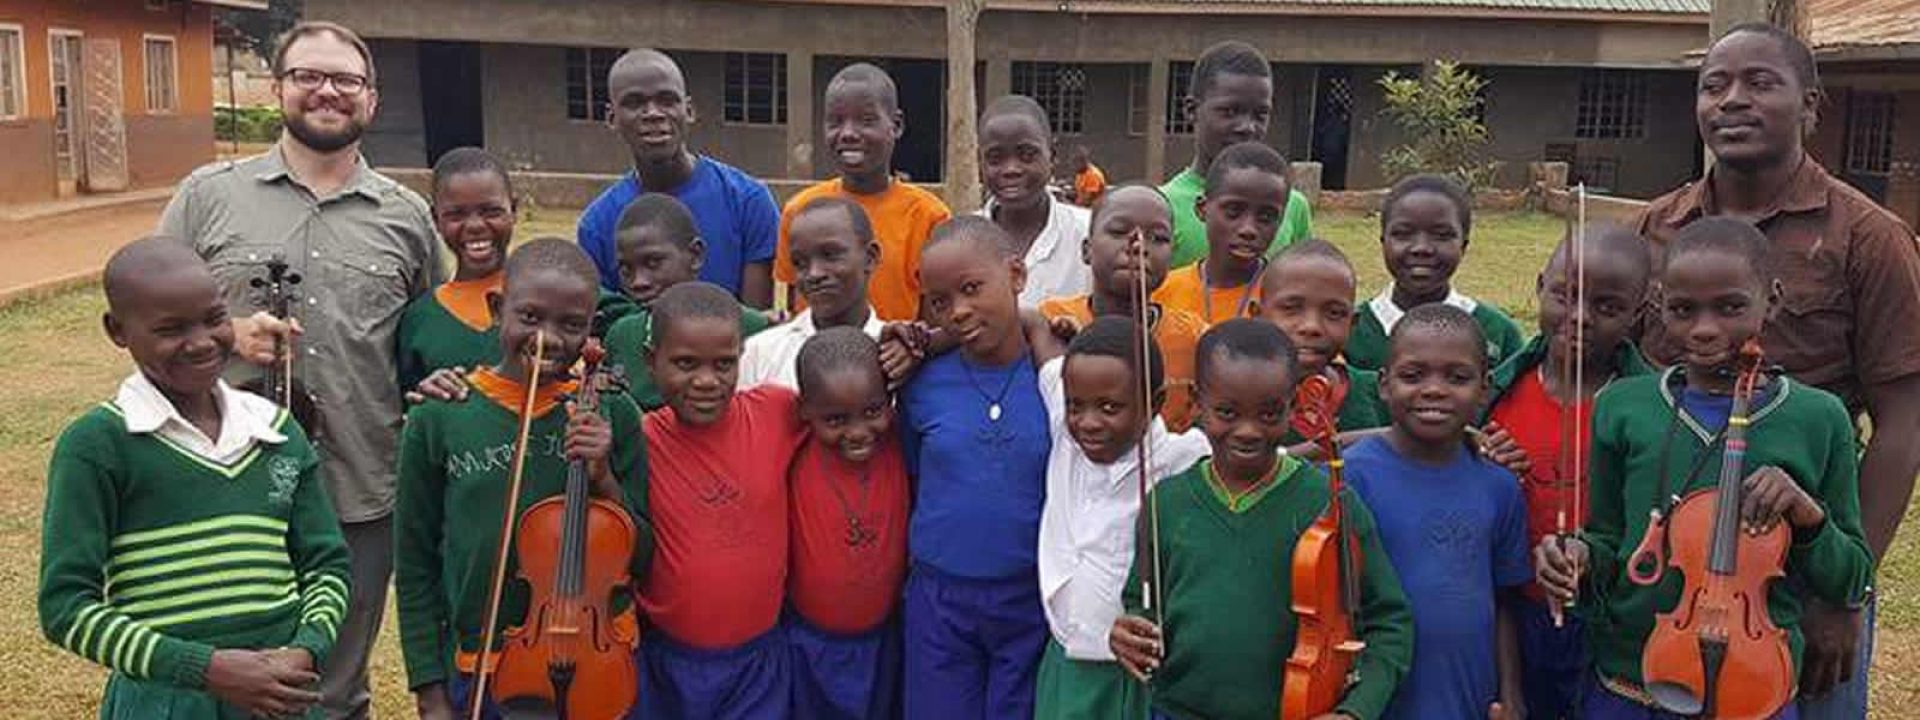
x: 161, y: 148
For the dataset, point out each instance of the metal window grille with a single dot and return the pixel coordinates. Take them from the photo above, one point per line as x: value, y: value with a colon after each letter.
x: 1137, y: 99
x: 162, y: 94
x: 756, y: 91
x: 1059, y: 88
x: 1870, y: 119
x: 1179, y: 85
x: 13, y: 102
x: 587, y: 96
x: 1613, y: 106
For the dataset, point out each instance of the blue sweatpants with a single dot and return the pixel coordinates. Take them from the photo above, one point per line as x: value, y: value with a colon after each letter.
x: 1604, y: 704
x: 972, y: 646
x: 750, y: 682
x: 844, y: 677
x: 1554, y: 664
x: 1849, y: 701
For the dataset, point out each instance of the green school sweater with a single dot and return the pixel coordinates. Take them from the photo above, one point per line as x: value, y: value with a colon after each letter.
x: 455, y: 460
x: 1227, y: 585
x: 1627, y: 363
x: 1367, y: 346
x: 152, y: 557
x: 431, y: 338
x: 1361, y: 409
x: 1800, y: 429
x: 627, y: 339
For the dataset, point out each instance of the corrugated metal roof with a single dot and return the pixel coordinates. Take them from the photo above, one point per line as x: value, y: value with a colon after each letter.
x: 1679, y: 7
x: 1842, y: 24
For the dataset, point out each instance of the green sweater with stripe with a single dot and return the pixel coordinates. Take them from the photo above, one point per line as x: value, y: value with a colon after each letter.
x: 153, y: 557
x: 431, y: 338
x: 455, y: 462
x: 1798, y: 428
x: 628, y: 337
x: 1367, y: 346
x: 1228, y: 587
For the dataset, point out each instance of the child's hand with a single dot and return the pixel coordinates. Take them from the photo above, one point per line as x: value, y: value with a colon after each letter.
x: 1135, y: 642
x: 1498, y: 445
x: 252, y: 681
x: 1771, y: 495
x: 1558, y: 563
x: 590, y: 439
x: 254, y: 336
x: 1503, y: 712
x: 1064, y: 327
x: 445, y: 384
x: 292, y: 658
x: 432, y: 702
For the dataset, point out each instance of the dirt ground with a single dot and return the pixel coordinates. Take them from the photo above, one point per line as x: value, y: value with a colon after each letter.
x: 64, y: 245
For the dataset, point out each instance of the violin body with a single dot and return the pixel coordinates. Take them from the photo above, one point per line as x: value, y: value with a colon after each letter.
x: 559, y: 629
x: 1321, y: 667
x: 1756, y: 672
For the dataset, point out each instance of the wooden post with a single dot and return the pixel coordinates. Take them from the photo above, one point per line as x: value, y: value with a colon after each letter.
x: 963, y: 153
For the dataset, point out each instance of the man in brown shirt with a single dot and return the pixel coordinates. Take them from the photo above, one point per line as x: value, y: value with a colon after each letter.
x: 1849, y: 273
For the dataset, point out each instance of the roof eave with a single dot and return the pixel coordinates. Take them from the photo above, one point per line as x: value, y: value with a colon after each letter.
x: 1436, y: 10
x: 234, y: 4
x: 1858, y: 53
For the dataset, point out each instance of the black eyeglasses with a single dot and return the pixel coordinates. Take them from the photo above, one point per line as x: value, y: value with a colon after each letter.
x: 343, y: 82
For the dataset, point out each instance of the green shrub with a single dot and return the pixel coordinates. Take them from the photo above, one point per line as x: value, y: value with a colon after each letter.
x: 247, y: 124
x: 1439, y: 116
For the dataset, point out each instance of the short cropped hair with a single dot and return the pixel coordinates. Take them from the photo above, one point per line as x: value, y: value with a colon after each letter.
x: 1017, y: 105
x: 1438, y: 184
x: 1310, y: 248
x: 856, y: 215
x: 691, y: 301
x: 1117, y: 337
x: 464, y: 160
x: 1441, y: 318
x: 868, y: 74
x: 1246, y: 155
x: 1242, y: 338
x: 1736, y: 238
x: 663, y: 211
x: 832, y: 349
x: 552, y: 253
x: 1230, y: 57
x: 972, y: 229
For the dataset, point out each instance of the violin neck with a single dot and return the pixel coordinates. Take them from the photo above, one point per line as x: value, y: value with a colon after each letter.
x: 1723, y: 556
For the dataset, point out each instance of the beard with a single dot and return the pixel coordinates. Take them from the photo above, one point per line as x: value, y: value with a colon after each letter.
x: 322, y: 140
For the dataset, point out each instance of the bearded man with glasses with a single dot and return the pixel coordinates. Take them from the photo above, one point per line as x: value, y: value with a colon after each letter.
x: 363, y: 245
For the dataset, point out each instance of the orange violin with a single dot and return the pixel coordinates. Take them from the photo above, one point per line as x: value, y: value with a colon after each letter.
x: 1326, y: 589
x: 1718, y: 654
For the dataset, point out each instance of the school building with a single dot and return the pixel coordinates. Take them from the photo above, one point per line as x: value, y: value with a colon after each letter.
x: 1869, y: 131
x: 1601, y: 84
x: 104, y: 95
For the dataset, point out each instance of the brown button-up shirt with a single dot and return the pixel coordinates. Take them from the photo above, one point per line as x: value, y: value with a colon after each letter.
x: 1850, y: 275
x: 362, y: 253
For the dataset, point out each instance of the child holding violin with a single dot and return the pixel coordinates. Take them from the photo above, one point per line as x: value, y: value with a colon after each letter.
x: 1789, y: 461
x: 455, y: 464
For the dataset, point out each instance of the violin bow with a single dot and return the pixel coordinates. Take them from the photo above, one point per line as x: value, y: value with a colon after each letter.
x: 1573, y: 445
x: 476, y: 703
x: 1143, y: 320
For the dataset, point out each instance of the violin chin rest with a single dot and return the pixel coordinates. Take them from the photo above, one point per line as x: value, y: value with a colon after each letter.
x: 1676, y: 698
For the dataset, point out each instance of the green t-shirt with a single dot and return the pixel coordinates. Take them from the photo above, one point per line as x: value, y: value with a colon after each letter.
x: 1227, y: 585
x: 1190, y: 234
x: 627, y: 339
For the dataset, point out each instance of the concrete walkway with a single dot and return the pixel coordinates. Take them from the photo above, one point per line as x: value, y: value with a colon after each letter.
x: 57, y: 247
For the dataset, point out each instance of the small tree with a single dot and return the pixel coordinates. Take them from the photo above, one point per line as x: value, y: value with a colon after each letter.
x: 1439, y: 116
x: 263, y: 27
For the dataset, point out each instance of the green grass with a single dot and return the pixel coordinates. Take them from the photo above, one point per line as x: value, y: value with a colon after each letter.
x: 60, y: 363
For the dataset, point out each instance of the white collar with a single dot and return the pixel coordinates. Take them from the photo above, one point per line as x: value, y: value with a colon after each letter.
x: 803, y: 323
x: 1048, y: 240
x: 1389, y: 314
x: 244, y: 417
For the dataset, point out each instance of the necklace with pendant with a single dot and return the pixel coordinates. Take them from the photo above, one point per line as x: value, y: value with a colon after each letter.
x: 993, y: 400
x: 859, y: 534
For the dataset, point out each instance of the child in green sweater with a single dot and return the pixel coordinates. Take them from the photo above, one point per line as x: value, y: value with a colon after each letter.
x: 659, y: 247
x: 187, y: 543
x: 1424, y: 227
x: 1307, y: 292
x: 1227, y: 531
x: 473, y: 211
x: 1660, y: 436
x: 455, y: 460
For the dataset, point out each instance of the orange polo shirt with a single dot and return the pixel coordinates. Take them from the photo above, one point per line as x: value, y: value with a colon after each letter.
x: 1184, y: 289
x: 903, y: 217
x: 1177, y: 332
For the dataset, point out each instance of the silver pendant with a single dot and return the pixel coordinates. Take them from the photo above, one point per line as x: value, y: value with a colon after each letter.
x: 993, y: 412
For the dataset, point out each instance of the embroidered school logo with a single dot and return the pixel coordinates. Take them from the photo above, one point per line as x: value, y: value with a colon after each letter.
x: 283, y: 474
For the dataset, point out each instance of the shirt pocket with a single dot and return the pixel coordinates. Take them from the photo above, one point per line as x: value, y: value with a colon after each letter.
x: 1814, y: 302
x: 369, y: 288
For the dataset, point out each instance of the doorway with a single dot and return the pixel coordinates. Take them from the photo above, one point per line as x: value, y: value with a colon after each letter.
x: 921, y: 152
x: 450, y: 97
x: 1332, y: 123
x: 64, y: 47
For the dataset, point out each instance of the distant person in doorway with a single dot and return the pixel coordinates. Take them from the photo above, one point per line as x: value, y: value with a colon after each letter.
x: 364, y: 246
x: 1089, y: 181
x: 738, y: 220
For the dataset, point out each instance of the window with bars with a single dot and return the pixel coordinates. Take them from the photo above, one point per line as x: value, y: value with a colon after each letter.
x: 756, y: 88
x: 1870, y: 119
x: 13, y: 86
x: 1137, y: 99
x: 1179, y: 85
x: 1613, y: 106
x: 587, y: 95
x: 1059, y: 88
x: 163, y: 91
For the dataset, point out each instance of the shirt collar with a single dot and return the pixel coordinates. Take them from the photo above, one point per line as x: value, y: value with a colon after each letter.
x: 147, y: 410
x: 1389, y: 314
x: 1047, y: 241
x: 803, y: 323
x: 1806, y: 192
x: 273, y: 169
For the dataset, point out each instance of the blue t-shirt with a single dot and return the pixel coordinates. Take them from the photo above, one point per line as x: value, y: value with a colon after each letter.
x: 980, y: 482
x: 736, y: 215
x: 1712, y: 411
x: 1455, y: 533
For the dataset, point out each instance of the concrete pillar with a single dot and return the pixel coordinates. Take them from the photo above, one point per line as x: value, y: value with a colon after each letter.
x: 1304, y: 178
x: 999, y: 78
x: 802, y: 122
x: 1157, y: 78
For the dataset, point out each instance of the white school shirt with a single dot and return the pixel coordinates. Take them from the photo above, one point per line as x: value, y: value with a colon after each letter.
x: 1389, y: 314
x: 770, y: 356
x: 1054, y: 267
x: 1087, y: 524
x: 245, y: 418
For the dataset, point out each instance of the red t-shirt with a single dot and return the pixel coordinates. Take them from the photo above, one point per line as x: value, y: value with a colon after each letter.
x: 849, y: 541
x: 718, y: 499
x: 1533, y: 418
